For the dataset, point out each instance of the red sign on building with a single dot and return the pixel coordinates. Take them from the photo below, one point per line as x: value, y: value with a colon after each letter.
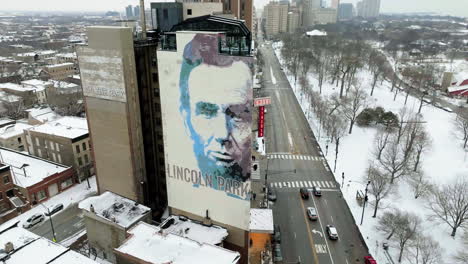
x: 262, y: 101
x: 261, y: 120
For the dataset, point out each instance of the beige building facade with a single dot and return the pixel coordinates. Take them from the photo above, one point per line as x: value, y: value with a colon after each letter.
x: 58, y: 71
x: 113, y: 112
x: 276, y: 16
x: 195, y: 9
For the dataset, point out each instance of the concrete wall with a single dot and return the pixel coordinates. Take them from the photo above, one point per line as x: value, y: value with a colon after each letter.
x: 201, y: 9
x: 112, y: 108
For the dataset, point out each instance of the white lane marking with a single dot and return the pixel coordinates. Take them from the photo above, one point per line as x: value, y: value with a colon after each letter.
x: 325, y: 183
x: 294, y: 235
x: 321, y: 248
x: 331, y: 218
x: 311, y: 184
x: 319, y: 184
x: 317, y: 232
x: 290, y: 140
x: 273, y: 79
x: 323, y: 231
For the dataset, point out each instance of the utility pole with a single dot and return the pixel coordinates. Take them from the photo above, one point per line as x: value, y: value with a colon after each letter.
x: 365, y: 200
x: 54, y: 238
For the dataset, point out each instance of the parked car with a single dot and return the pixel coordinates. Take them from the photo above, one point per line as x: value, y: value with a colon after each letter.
x: 272, y: 194
x: 54, y: 209
x: 33, y: 220
x: 312, y: 213
x: 304, y: 193
x: 317, y: 191
x: 276, y: 234
x: 332, y: 233
x: 277, y: 255
x: 369, y: 260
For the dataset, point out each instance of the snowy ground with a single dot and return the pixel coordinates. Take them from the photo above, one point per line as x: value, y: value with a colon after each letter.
x: 71, y: 196
x: 445, y: 161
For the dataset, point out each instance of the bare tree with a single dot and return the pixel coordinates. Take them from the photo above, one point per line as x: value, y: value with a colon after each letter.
x: 461, y: 127
x: 424, y: 250
x: 376, y: 64
x: 381, y: 140
x: 393, y: 161
x: 336, y: 130
x: 462, y: 255
x: 419, y: 183
x: 13, y: 109
x: 422, y: 144
x: 353, y: 104
x: 449, y: 203
x: 390, y: 221
x: 380, y: 186
x: 406, y: 232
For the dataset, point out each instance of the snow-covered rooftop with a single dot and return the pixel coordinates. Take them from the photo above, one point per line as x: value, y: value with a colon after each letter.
x: 261, y: 221
x: 64, y: 85
x: 146, y: 243
x: 42, y: 114
x: 36, y: 169
x: 36, y: 83
x: 13, y: 130
x: 116, y: 208
x: 59, y: 65
x: 6, y: 121
x: 67, y: 55
x: 16, y: 87
x: 67, y: 127
x: 187, y: 228
x: 10, y: 98
x: 28, y: 246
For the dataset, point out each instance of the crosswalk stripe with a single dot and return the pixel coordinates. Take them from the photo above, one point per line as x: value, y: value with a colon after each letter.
x: 319, y: 184
x: 332, y: 184
x: 326, y: 184
x: 311, y: 184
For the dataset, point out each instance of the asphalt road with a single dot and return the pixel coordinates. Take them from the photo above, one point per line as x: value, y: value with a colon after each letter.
x: 66, y: 223
x: 295, y: 161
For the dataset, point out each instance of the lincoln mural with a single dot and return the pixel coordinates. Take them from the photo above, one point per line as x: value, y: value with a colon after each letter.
x: 207, y: 108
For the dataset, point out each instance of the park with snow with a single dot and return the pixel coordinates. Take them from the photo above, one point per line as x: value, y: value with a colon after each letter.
x: 443, y: 161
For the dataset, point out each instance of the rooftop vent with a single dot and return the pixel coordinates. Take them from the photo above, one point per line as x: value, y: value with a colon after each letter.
x: 9, y: 247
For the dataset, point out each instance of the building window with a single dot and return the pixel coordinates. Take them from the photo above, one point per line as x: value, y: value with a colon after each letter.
x: 80, y: 161
x: 86, y: 160
x: 66, y: 183
x: 19, y: 140
x: 59, y: 158
x: 37, y: 142
x: 54, y: 158
x: 1, y: 196
x: 165, y: 14
x: 155, y: 77
x: 84, y: 146
x: 6, y: 179
x: 39, y: 152
x: 41, y: 195
x: 51, y: 145
x: 77, y: 147
x: 57, y: 147
x: 189, y: 12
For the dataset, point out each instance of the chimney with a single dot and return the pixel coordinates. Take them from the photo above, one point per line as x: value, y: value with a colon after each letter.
x: 9, y: 247
x: 143, y: 19
x: 91, y: 208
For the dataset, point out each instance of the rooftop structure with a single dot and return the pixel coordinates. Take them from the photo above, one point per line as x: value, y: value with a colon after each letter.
x: 67, y: 127
x: 261, y: 220
x: 115, y: 208
x: 147, y: 244
x: 36, y: 83
x: 16, y: 87
x: 22, y: 246
x: 28, y: 170
x: 9, y: 98
x: 184, y: 227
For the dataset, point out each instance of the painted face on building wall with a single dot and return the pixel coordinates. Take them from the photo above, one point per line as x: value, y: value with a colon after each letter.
x: 217, y: 110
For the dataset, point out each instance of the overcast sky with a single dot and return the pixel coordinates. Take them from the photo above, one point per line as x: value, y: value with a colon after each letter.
x: 452, y: 7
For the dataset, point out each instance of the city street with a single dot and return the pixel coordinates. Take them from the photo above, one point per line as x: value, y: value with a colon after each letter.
x: 66, y: 223
x: 293, y: 161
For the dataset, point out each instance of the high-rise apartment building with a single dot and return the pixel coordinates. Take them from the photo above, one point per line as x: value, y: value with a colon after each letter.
x: 293, y: 21
x: 345, y: 12
x: 206, y: 98
x: 136, y: 11
x: 120, y: 85
x: 276, y: 18
x: 129, y: 11
x: 368, y: 8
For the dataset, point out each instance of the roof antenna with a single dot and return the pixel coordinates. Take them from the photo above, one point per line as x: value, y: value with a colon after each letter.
x: 143, y: 19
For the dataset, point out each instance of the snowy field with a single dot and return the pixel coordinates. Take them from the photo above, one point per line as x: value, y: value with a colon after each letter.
x: 69, y: 197
x: 442, y: 163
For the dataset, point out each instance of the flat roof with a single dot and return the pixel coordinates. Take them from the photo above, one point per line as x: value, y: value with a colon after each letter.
x: 36, y: 169
x: 261, y: 220
x: 146, y: 243
x: 43, y: 114
x: 115, y: 208
x: 212, y: 235
x: 30, y: 248
x: 16, y: 87
x: 67, y: 127
x: 13, y: 130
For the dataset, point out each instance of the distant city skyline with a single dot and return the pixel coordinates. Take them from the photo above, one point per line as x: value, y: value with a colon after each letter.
x: 446, y: 7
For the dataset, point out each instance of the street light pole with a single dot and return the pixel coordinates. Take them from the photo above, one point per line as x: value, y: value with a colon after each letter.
x: 51, y: 224
x: 365, y: 200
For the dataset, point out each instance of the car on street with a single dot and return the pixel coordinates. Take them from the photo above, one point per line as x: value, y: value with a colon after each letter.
x: 276, y: 234
x: 369, y: 260
x: 304, y: 193
x: 277, y: 255
x: 316, y: 191
x: 54, y: 209
x: 332, y: 233
x: 271, y: 194
x: 33, y: 220
x: 312, y: 213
